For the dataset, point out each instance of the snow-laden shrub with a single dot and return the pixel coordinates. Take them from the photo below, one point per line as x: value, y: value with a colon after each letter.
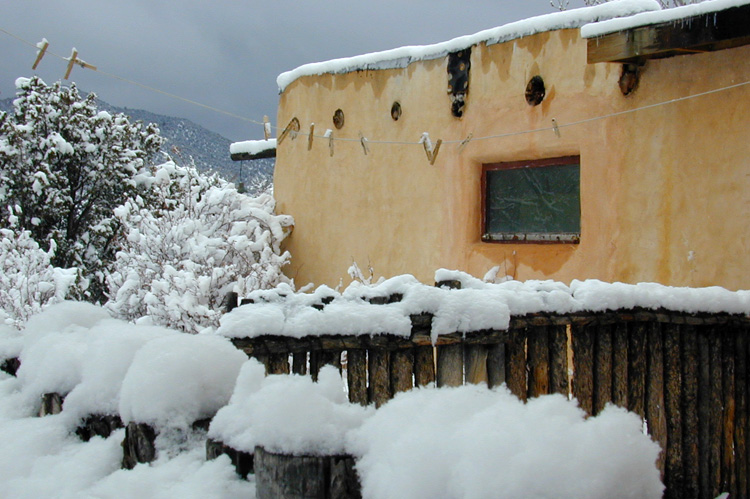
x: 28, y: 282
x: 203, y: 240
x: 67, y: 165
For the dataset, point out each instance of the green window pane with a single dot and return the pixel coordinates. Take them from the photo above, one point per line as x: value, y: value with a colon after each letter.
x: 534, y: 200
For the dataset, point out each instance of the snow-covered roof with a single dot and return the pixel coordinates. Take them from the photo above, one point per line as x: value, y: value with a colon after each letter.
x: 252, y: 146
x: 403, y: 56
x: 676, y: 14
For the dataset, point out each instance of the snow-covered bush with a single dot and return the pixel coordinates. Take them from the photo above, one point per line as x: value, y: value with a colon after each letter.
x: 28, y: 282
x: 202, y: 240
x: 67, y: 165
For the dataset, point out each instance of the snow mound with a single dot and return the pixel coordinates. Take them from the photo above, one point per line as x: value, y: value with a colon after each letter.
x: 179, y: 379
x: 108, y: 357
x: 288, y: 414
x: 474, y: 442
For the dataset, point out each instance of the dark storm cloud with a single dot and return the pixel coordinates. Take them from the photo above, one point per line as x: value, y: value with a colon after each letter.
x: 226, y: 53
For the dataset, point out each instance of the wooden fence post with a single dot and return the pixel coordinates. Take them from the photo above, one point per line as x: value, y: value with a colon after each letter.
x: 673, y: 474
x: 450, y: 365
x: 655, y: 410
x: 424, y: 369
x: 558, y: 362
x: 356, y: 373
x: 402, y: 370
x: 602, y: 368
x: 583, y: 356
x: 475, y: 360
x: 496, y: 365
x: 689, y: 410
x: 379, y: 389
x: 515, y: 362
x: 538, y: 360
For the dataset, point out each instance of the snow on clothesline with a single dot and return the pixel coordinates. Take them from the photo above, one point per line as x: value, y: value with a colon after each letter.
x: 478, y: 305
x: 403, y: 56
x: 677, y: 14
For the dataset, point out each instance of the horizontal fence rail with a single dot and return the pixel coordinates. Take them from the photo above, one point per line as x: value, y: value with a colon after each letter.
x: 685, y: 374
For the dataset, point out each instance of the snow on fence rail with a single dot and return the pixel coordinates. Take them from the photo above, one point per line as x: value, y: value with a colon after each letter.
x: 683, y: 370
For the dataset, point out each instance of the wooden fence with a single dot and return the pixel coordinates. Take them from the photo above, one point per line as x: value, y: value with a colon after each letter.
x: 685, y: 374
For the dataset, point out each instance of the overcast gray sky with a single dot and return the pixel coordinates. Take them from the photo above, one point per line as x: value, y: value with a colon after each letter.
x: 224, y: 53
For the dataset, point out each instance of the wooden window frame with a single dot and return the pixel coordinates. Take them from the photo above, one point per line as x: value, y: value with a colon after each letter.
x: 526, y: 237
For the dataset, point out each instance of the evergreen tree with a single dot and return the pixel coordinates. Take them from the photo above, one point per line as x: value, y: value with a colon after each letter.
x: 64, y: 167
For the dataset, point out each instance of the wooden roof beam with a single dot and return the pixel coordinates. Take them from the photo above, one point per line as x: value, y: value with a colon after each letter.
x: 704, y: 33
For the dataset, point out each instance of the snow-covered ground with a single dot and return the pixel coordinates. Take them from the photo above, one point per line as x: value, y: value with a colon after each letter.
x: 467, y: 441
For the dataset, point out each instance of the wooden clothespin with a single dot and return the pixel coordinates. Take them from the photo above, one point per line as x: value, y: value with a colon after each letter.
x: 42, y: 46
x: 292, y: 127
x: 329, y: 136
x: 556, y: 128
x: 75, y: 60
x: 465, y: 142
x: 429, y: 150
x: 363, y: 141
x: 266, y: 128
x: 310, y: 137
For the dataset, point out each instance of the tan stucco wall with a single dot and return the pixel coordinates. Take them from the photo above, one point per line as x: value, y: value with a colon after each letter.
x: 664, y: 191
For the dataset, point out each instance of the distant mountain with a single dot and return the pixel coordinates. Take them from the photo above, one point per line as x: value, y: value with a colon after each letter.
x: 185, y: 140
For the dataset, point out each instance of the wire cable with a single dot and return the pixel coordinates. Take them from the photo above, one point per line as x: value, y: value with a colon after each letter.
x: 393, y: 142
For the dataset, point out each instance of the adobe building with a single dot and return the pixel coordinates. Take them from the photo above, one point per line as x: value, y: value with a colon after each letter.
x: 611, y: 142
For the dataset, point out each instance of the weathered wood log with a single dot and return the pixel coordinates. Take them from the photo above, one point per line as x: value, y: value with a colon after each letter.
x: 637, y: 368
x: 402, y: 370
x: 138, y: 445
x: 450, y: 365
x: 558, y: 359
x: 356, y: 374
x: 741, y: 420
x: 583, y: 355
x: 98, y: 425
x: 278, y: 363
x: 51, y: 404
x: 515, y: 362
x: 716, y: 412
x: 620, y: 364
x: 475, y: 362
x: 11, y: 365
x: 281, y: 476
x: 299, y: 362
x: 728, y: 471
x: 424, y: 365
x: 379, y: 387
x: 496, y: 364
x: 538, y: 361
x: 704, y: 411
x: 655, y: 409
x: 689, y: 410
x: 674, y: 474
x: 602, y: 368
x: 242, y: 461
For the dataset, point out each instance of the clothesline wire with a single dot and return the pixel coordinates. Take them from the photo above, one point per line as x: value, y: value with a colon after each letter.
x: 555, y: 126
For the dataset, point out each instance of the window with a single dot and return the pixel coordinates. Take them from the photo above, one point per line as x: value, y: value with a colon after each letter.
x: 533, y: 201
